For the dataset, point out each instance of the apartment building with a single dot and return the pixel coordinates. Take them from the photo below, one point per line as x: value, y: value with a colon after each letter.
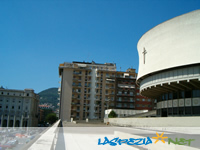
x: 18, y: 108
x: 87, y: 89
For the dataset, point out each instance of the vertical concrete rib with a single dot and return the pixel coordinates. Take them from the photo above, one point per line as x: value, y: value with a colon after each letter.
x: 92, y: 93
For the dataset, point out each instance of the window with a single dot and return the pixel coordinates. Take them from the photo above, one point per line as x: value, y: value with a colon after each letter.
x: 143, y: 100
x: 196, y: 110
x: 149, y: 100
x: 120, y: 99
x: 196, y: 93
x: 188, y: 110
x: 188, y: 94
x: 181, y: 111
x: 13, y: 107
x: 181, y: 94
x: 138, y: 99
x: 163, y: 97
x: 27, y: 94
x: 170, y: 96
x: 6, y: 107
x: 175, y: 96
x: 18, y: 107
x: 166, y: 96
x: 0, y: 106
x: 175, y: 111
x: 169, y: 111
x: 158, y: 111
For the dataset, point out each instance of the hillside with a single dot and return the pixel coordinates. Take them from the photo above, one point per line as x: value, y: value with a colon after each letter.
x: 49, y: 96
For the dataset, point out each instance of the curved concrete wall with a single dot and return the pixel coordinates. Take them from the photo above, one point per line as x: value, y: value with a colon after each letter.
x: 173, y: 43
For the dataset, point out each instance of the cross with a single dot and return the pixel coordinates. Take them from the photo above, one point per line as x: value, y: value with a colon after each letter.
x: 144, y: 52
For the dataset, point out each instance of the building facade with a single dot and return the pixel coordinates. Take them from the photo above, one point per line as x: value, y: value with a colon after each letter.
x: 169, y: 65
x: 18, y: 108
x: 87, y: 89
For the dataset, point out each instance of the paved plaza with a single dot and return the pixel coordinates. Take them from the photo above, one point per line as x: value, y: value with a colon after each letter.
x: 85, y: 136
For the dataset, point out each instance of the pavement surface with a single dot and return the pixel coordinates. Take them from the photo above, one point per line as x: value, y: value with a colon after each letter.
x: 85, y: 136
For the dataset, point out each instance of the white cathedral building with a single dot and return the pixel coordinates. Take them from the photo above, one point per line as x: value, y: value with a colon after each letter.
x: 169, y: 65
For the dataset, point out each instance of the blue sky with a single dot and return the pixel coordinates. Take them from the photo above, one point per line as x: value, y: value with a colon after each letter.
x: 37, y: 35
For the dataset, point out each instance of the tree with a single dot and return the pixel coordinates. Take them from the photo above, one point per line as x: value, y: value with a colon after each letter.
x: 51, y: 118
x: 112, y: 114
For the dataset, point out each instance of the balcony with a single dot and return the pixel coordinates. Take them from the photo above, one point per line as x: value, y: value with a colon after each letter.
x: 98, y: 75
x: 98, y: 87
x: 77, y: 104
x: 76, y: 92
x: 77, y: 73
x: 87, y: 86
x: 110, y: 76
x: 76, y: 85
x: 110, y: 82
x: 86, y: 104
x: 88, y: 80
x: 76, y: 98
x: 74, y: 109
x: 98, y: 93
x: 110, y: 88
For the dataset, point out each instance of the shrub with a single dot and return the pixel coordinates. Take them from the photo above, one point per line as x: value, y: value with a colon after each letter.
x: 112, y: 114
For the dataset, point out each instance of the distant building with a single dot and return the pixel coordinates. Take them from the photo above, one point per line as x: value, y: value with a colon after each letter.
x: 127, y: 95
x: 41, y: 115
x: 18, y: 108
x: 87, y: 89
x: 46, y: 106
x: 169, y: 65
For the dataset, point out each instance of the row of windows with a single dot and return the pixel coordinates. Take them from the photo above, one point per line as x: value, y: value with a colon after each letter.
x: 139, y: 105
x: 180, y: 95
x: 7, y: 93
x: 149, y: 100
x: 125, y: 99
x: 13, y: 100
x: 13, y: 107
x: 195, y: 110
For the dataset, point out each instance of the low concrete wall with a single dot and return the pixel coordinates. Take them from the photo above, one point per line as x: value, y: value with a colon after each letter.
x: 155, y: 122
x: 47, y: 140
